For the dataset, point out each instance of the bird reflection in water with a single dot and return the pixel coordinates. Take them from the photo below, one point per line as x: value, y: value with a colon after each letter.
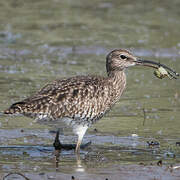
x: 58, y: 146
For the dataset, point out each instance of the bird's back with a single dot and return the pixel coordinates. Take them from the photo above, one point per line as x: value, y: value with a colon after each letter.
x: 82, y: 98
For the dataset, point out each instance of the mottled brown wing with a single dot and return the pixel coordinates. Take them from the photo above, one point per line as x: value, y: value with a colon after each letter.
x: 75, y: 97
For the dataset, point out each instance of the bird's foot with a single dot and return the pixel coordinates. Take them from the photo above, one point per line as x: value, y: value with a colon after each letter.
x: 58, y: 145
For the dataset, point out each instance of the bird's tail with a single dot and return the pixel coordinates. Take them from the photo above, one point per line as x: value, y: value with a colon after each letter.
x: 16, y: 108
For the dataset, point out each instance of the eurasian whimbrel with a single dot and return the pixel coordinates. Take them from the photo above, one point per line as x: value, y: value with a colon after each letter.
x: 82, y: 100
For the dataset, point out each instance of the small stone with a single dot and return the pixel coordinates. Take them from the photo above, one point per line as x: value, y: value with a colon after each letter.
x: 159, y: 163
x: 42, y: 174
x: 153, y: 143
x: 134, y: 135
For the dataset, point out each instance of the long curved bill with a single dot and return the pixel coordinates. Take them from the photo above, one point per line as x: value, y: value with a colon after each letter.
x: 161, y: 69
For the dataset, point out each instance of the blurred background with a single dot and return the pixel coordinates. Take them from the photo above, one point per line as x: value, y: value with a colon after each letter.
x: 42, y: 40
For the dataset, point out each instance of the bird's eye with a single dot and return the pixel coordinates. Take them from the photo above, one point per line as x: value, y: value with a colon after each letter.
x: 123, y: 56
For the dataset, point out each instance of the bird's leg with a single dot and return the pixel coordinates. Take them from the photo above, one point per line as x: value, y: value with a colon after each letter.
x: 79, y: 146
x: 80, y: 131
x: 57, y: 145
x: 77, y: 150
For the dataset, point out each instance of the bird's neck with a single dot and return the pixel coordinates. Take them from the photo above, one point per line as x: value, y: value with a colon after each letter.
x: 117, y: 80
x: 117, y: 77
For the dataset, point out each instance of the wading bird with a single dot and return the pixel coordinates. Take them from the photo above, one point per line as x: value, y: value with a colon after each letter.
x: 82, y: 100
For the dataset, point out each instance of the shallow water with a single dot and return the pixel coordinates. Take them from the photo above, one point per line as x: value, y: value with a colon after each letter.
x: 41, y: 41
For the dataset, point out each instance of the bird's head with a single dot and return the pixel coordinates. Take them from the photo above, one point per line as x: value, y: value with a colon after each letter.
x: 119, y: 59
